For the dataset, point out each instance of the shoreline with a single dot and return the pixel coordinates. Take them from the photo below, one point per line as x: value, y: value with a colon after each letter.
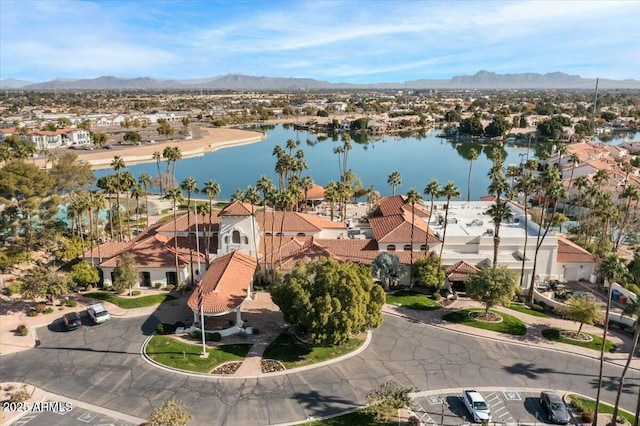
x: 212, y: 140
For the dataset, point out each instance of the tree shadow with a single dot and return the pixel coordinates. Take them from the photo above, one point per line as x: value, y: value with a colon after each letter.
x: 529, y: 370
x: 323, y: 405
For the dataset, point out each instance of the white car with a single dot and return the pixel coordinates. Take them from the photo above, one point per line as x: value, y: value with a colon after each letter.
x: 477, y: 406
x: 98, y: 313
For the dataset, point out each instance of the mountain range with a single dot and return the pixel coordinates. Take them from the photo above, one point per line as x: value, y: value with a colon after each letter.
x: 239, y: 82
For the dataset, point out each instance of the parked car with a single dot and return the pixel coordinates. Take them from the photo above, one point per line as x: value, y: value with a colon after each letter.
x: 555, y: 407
x: 71, y: 320
x: 98, y: 313
x: 476, y: 405
x: 108, y: 146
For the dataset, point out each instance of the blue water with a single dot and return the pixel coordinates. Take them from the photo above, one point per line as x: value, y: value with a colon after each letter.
x: 417, y: 159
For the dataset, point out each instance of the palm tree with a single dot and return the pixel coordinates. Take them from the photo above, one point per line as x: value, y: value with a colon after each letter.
x: 412, y: 198
x: 109, y: 185
x: 158, y: 156
x: 512, y: 173
x: 268, y: 188
x: 631, y: 193
x: 331, y: 195
x: 212, y: 189
x: 118, y: 164
x: 98, y: 202
x: 176, y: 198
x: 145, y: 180
x: 127, y: 181
x: 580, y: 183
x: 284, y: 198
x: 306, y: 184
x: 473, y: 156
x: 136, y: 192
x: 632, y: 309
x: 574, y: 159
x: 613, y: 269
x: 433, y: 190
x: 252, y: 196
x: 394, y: 180
x: 450, y: 191
x: 499, y: 212
x: 526, y: 184
x: 189, y: 185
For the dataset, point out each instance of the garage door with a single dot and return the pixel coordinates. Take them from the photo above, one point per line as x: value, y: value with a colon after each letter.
x: 571, y: 274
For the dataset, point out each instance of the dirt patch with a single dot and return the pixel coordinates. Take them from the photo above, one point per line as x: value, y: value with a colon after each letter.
x: 486, y: 317
x: 574, y: 335
x: 228, y: 368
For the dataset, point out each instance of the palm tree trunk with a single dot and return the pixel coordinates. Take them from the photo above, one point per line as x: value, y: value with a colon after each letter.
x: 444, y: 231
x: 146, y: 201
x: 601, y: 368
x: 469, y: 182
x: 175, y: 241
x: 636, y: 335
x: 97, y: 234
x: 91, y: 234
x: 413, y: 213
x: 526, y: 239
x: 209, y: 236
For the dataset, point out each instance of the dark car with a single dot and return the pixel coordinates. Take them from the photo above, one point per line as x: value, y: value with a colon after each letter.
x: 71, y: 320
x: 555, y: 407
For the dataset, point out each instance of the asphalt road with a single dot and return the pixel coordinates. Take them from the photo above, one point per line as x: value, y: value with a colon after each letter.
x: 101, y: 365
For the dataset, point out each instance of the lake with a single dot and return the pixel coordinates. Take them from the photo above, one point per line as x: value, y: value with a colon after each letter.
x: 418, y: 159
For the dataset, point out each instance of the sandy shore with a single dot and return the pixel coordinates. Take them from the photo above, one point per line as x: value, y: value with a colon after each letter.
x: 212, y: 140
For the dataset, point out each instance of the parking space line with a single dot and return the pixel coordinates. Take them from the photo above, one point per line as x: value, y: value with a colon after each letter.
x: 422, y: 414
x: 25, y: 419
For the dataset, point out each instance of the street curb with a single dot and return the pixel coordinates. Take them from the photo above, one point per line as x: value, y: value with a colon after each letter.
x: 148, y: 360
x: 495, y: 339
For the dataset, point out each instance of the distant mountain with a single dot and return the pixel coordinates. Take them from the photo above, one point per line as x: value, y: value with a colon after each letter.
x: 12, y: 83
x: 480, y: 80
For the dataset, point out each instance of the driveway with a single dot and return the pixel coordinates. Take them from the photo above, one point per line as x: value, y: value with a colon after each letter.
x: 101, y: 365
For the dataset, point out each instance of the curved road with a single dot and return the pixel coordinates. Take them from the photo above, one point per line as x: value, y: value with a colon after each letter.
x: 102, y: 365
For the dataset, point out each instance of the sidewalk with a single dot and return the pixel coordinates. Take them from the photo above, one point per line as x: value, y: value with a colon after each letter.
x: 535, y: 325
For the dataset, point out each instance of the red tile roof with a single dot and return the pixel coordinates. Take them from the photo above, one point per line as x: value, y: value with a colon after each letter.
x: 295, y: 222
x: 460, y: 270
x: 315, y: 193
x: 238, y: 208
x: 182, y: 223
x: 397, y: 229
x: 569, y: 252
x: 225, y: 284
x: 397, y: 204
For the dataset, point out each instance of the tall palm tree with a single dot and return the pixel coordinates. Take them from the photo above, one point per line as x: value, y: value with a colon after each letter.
x: 412, y: 198
x: 331, y: 195
x: 473, y: 156
x: 167, y: 154
x: 76, y: 208
x: 212, y: 189
x: 145, y: 180
x: 175, y: 196
x: 525, y: 184
x: 449, y: 191
x: 632, y: 309
x: 394, y: 180
x: 136, y: 192
x: 499, y: 212
x: 630, y: 193
x: 157, y: 155
x: 109, y: 185
x: 306, y: 184
x: 127, y: 181
x: 189, y: 185
x: 98, y: 201
x: 612, y: 268
x: 580, y: 184
x: 267, y: 187
x: 574, y: 160
x: 118, y: 164
x: 433, y: 190
x: 512, y: 173
x: 252, y: 196
x: 284, y: 198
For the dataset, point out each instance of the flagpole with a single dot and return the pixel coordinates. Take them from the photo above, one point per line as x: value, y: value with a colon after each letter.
x: 200, y: 292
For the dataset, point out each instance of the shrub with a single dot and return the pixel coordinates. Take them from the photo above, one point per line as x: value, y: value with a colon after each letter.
x: 538, y: 308
x: 587, y: 416
x: 195, y: 335
x: 48, y: 310
x: 22, y: 330
x: 20, y: 396
x: 170, y: 287
x: 157, y: 286
x: 437, y: 297
x: 32, y: 313
x: 216, y: 337
x: 70, y: 303
x: 90, y: 287
x: 136, y: 293
x: 159, y: 329
x: 13, y: 288
x: 40, y: 307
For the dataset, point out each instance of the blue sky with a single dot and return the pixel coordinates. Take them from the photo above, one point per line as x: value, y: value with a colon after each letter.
x: 359, y: 41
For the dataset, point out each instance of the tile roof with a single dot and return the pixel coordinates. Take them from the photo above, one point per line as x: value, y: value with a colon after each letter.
x: 182, y: 223
x: 225, y: 284
x: 295, y: 222
x: 238, y: 208
x: 460, y: 270
x: 107, y: 250
x: 397, y: 229
x: 315, y: 193
x: 397, y: 204
x: 569, y: 252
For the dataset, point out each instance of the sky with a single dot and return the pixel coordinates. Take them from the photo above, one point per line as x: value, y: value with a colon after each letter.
x: 357, y: 41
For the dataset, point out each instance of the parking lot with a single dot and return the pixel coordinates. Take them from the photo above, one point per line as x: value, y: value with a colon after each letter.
x: 75, y: 417
x: 507, y: 406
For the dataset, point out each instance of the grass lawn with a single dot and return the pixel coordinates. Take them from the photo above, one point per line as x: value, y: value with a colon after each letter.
x: 509, y: 324
x: 356, y: 418
x: 525, y: 310
x: 129, y: 303
x: 412, y: 300
x: 590, y: 404
x: 286, y: 350
x: 168, y: 351
x: 595, y: 344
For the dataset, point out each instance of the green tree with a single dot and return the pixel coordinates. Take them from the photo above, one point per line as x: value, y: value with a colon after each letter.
x: 412, y: 198
x: 125, y: 274
x: 176, y: 198
x: 170, y: 413
x: 164, y: 128
x: 473, y: 156
x: 428, y: 272
x: 632, y: 309
x: 70, y: 174
x: 386, y: 267
x: 132, y: 137
x: 497, y: 128
x: 212, y: 189
x: 471, y: 126
x: 157, y: 155
x: 100, y: 139
x: 492, y: 286
x: 450, y: 191
x: 189, y: 185
x: 84, y: 273
x: 384, y: 401
x: 145, y: 180
x: 499, y: 212
x: 394, y: 180
x: 331, y: 300
x: 583, y: 310
x: 44, y: 282
x: 433, y: 190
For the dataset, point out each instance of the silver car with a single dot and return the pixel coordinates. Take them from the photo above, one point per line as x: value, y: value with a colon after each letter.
x: 555, y: 407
